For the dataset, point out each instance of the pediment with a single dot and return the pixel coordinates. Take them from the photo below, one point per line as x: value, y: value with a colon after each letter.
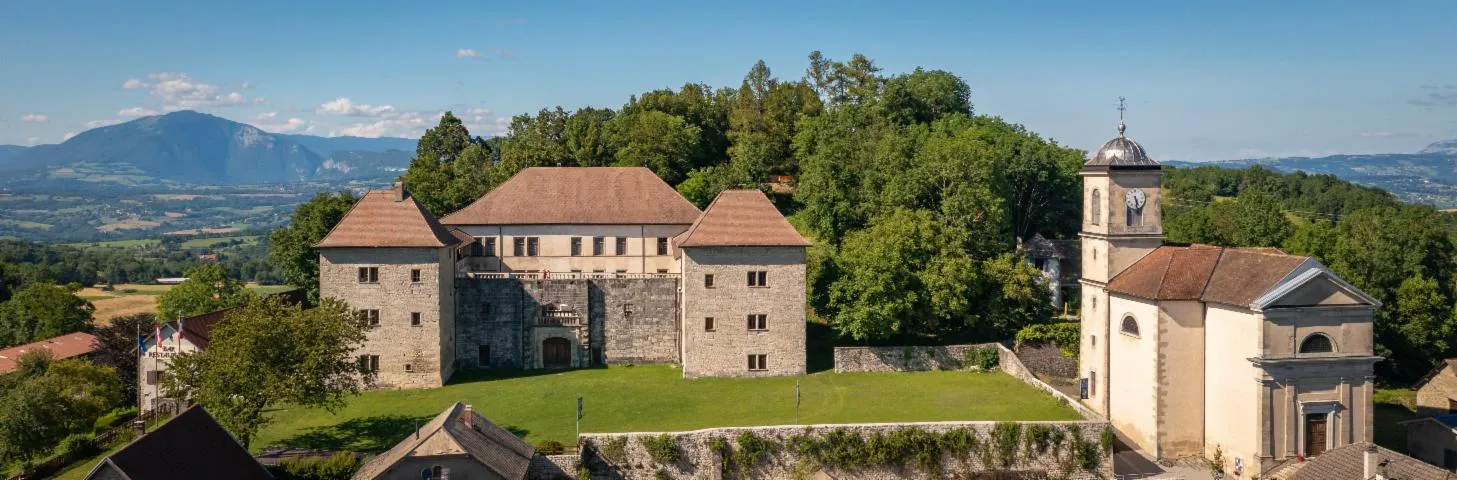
x: 1314, y: 287
x: 438, y: 443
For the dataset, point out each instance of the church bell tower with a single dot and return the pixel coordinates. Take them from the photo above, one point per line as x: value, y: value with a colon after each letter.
x: 1122, y: 222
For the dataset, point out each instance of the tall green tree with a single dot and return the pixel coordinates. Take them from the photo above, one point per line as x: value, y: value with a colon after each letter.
x: 116, y: 347
x: 268, y: 353
x: 43, y: 310
x: 662, y: 142
x: 1422, y: 328
x: 40, y: 410
x: 208, y: 288
x: 449, y: 168
x: 924, y: 96
x: 291, y: 247
x: 903, y: 276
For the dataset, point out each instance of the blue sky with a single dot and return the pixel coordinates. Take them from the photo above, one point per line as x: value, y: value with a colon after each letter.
x: 1205, y: 81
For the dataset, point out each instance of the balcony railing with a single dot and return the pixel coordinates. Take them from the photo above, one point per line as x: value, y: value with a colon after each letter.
x: 559, y: 319
x: 564, y: 275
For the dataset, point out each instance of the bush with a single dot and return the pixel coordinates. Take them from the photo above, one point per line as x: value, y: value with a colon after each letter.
x: 985, y: 358
x: 751, y: 449
x: 76, y: 444
x: 663, y: 449
x: 1005, y: 438
x: 614, y: 450
x: 1065, y: 336
x: 113, y: 418
x: 550, y: 447
x: 340, y: 466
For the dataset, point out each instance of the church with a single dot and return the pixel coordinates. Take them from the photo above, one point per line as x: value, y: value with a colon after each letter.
x: 1189, y: 350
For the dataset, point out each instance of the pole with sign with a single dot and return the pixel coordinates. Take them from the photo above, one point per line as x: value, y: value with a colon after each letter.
x: 796, y: 401
x: 579, y: 416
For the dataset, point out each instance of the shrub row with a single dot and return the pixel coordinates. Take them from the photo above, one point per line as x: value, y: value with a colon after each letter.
x: 1065, y: 336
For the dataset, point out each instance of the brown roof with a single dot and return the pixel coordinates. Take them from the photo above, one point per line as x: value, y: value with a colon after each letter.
x: 190, y: 446
x: 378, y: 220
x: 741, y: 218
x: 1232, y: 276
x: 579, y: 196
x: 198, y: 328
x: 1349, y: 463
x: 65, y: 346
x: 493, y: 447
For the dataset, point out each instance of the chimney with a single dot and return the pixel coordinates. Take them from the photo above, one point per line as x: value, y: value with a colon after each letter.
x: 469, y: 417
x: 1369, y: 464
x: 400, y: 193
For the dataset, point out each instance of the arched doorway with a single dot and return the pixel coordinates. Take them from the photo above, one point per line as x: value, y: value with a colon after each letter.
x: 556, y: 352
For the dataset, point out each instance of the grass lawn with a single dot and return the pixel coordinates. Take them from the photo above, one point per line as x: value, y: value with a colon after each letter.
x: 1392, y: 405
x: 199, y: 243
x: 540, y: 406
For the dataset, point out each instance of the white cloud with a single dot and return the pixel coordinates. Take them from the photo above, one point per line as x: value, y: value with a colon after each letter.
x: 263, y: 117
x: 35, y: 118
x: 135, y: 112
x: 245, y: 85
x: 291, y: 125
x: 32, y: 141
x: 178, y: 91
x: 100, y: 123
x: 343, y: 107
x: 406, y: 124
x: 467, y: 53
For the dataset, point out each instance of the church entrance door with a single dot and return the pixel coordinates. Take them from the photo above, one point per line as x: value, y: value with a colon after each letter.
x: 556, y: 353
x: 1315, y: 434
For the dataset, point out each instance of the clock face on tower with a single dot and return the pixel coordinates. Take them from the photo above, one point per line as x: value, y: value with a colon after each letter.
x: 1135, y: 199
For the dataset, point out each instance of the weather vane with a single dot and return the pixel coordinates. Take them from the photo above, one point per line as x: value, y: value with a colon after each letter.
x: 1121, y: 127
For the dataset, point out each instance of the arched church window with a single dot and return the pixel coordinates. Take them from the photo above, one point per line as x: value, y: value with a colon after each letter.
x: 1317, y: 343
x: 1130, y: 326
x: 1096, y: 206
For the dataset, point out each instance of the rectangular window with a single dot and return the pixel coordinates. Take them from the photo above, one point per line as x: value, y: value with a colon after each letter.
x: 369, y: 363
x: 369, y: 317
x: 597, y: 244
x: 758, y: 279
x: 621, y: 245
x: 488, y: 246
x: 408, y: 368
x: 518, y: 246
x: 758, y: 362
x: 576, y: 246
x: 662, y: 270
x: 758, y: 322
x: 1093, y: 384
x: 414, y: 319
x: 708, y: 280
x: 622, y: 270
x: 662, y: 245
x: 708, y: 324
x: 154, y: 377
x: 483, y: 355
x: 599, y: 270
x: 368, y: 274
x: 415, y: 275
x: 531, y: 246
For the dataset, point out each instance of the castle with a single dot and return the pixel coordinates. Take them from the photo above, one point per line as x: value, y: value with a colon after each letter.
x: 1192, y: 350
x: 571, y: 267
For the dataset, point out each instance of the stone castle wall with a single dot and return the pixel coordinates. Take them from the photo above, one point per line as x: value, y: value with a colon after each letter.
x: 903, y: 358
x: 700, y: 461
x: 409, y: 355
x: 618, y: 320
x: 724, y: 351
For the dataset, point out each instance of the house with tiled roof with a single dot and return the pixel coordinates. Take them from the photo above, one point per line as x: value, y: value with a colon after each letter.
x: 71, y: 345
x: 1194, y: 349
x: 1360, y: 461
x: 457, y: 443
x: 571, y: 267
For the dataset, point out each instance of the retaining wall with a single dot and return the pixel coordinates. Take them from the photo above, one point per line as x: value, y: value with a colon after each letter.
x: 902, y: 359
x: 700, y: 461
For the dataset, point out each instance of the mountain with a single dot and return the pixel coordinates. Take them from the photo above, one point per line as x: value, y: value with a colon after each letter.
x: 195, y: 148
x: 10, y: 150
x: 328, y: 145
x: 1428, y: 176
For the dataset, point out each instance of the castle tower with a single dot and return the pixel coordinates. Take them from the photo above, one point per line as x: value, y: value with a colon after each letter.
x: 1122, y: 222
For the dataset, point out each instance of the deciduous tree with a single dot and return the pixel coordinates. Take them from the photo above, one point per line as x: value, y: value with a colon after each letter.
x: 40, y: 311
x: 207, y: 289
x: 291, y: 248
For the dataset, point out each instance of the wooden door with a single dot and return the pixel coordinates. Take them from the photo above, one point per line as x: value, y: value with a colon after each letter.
x: 556, y: 353
x: 1315, y: 434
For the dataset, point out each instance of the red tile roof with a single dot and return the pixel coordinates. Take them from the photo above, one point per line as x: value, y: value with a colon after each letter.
x: 198, y: 328
x: 1232, y: 276
x: 579, y: 196
x: 65, y: 346
x: 741, y: 218
x: 379, y: 220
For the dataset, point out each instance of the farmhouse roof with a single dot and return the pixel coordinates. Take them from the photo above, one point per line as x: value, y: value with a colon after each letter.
x: 458, y: 430
x: 579, y: 196
x: 1349, y: 463
x: 192, y: 445
x: 65, y: 346
x: 389, y: 218
x: 1245, y: 277
x: 741, y: 218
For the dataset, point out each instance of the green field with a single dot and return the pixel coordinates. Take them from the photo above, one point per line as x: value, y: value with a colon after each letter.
x: 1392, y: 405
x: 203, y: 243
x: 136, y: 243
x: 540, y: 405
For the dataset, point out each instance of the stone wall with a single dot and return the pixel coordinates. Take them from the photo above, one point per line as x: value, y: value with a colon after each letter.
x: 902, y: 358
x: 606, y: 320
x: 552, y: 467
x: 409, y: 354
x: 1436, y: 396
x: 1013, y: 366
x: 724, y: 350
x: 700, y: 461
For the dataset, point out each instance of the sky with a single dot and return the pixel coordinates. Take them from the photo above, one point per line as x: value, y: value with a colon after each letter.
x: 1204, y: 80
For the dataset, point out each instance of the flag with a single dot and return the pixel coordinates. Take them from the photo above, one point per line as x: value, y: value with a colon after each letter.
x: 796, y: 395
x: 579, y: 408
x: 157, y: 330
x: 180, y: 326
x: 141, y: 346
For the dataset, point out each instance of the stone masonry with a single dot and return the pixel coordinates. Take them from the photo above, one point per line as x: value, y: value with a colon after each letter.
x: 903, y: 359
x: 725, y: 350
x: 1438, y: 394
x: 410, y: 355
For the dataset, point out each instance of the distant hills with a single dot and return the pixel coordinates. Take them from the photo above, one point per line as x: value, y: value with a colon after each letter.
x: 195, y: 148
x: 1428, y: 176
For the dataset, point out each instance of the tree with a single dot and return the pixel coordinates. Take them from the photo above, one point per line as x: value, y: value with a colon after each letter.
x: 924, y: 96
x: 1251, y: 220
x: 40, y: 311
x: 207, y: 289
x: 116, y: 347
x: 67, y: 398
x: 268, y: 353
x: 434, y: 178
x: 291, y: 248
x: 1422, y: 328
x: 662, y: 142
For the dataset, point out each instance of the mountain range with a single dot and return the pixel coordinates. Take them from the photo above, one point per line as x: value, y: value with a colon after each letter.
x: 196, y: 148
x: 1427, y: 176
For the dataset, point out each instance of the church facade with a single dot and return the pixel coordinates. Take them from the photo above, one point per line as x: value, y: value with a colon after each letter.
x: 571, y: 268
x: 1193, y: 349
